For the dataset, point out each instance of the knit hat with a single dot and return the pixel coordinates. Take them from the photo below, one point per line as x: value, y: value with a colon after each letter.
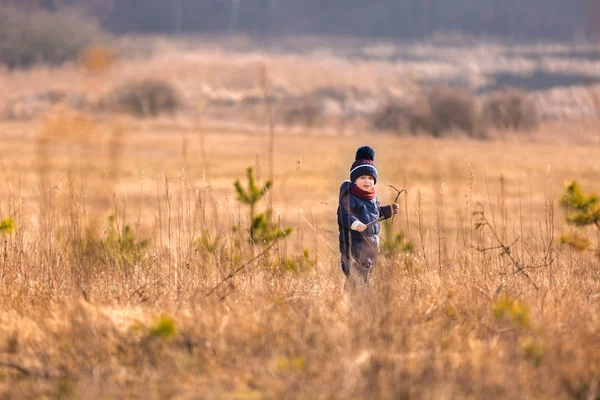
x: 364, y: 164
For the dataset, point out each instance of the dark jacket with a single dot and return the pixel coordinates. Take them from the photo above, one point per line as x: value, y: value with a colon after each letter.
x: 352, y: 208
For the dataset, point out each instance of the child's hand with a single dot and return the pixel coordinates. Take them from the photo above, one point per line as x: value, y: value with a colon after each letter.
x: 361, y: 227
x: 395, y: 208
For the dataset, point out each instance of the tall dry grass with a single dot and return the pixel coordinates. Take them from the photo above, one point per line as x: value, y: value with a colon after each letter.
x: 108, y: 279
x: 126, y: 269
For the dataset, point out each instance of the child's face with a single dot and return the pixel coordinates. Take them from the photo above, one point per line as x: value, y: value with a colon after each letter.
x: 365, y: 182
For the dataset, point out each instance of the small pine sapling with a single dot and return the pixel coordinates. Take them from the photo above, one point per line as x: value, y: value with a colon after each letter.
x: 581, y: 210
x: 262, y: 229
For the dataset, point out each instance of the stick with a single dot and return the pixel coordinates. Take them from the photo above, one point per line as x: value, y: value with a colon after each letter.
x: 246, y: 264
x: 382, y: 217
x: 399, y: 192
x: 374, y: 222
x: 26, y: 371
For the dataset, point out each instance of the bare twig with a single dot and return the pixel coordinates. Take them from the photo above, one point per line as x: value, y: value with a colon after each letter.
x: 382, y: 217
x: 26, y: 371
x: 501, y: 246
x: 264, y: 84
x: 242, y: 267
x: 375, y: 221
x: 481, y: 223
x: 398, y: 193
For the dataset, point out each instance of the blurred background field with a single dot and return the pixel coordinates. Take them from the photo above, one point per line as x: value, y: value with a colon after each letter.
x: 126, y: 269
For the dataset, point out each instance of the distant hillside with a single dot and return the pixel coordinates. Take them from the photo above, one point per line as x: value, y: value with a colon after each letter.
x: 522, y: 20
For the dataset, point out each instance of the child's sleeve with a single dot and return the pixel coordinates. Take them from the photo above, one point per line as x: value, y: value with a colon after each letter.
x: 386, y: 211
x: 346, y: 218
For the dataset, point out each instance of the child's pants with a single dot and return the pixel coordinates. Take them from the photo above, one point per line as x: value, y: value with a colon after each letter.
x: 360, y: 265
x: 355, y: 272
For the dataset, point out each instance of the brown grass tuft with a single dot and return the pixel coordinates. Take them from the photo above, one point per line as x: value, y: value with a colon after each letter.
x: 510, y: 109
x: 146, y: 98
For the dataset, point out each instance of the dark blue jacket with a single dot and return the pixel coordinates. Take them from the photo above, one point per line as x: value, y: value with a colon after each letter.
x: 352, y: 208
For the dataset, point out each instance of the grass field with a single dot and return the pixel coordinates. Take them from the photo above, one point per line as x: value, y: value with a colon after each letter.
x: 110, y: 281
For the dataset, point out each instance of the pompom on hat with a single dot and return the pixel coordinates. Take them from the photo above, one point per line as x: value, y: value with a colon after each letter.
x: 364, y: 164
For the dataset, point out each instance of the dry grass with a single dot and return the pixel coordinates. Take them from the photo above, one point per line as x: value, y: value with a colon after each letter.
x: 85, y: 323
x: 97, y: 308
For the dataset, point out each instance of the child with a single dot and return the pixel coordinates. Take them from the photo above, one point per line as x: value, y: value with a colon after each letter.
x: 359, y: 206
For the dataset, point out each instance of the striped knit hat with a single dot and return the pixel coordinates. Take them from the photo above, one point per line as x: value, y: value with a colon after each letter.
x: 364, y: 164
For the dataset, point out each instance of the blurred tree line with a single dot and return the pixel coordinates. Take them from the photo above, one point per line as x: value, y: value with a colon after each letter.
x: 519, y: 19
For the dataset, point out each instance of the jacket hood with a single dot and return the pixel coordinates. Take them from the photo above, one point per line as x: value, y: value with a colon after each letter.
x: 345, y: 189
